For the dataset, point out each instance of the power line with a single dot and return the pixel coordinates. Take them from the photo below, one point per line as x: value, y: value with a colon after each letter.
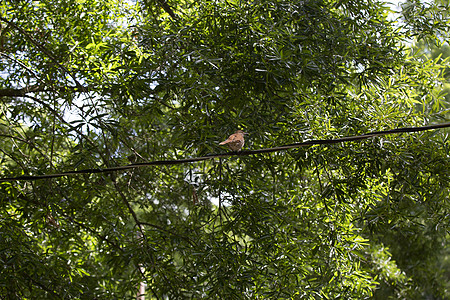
x: 213, y: 156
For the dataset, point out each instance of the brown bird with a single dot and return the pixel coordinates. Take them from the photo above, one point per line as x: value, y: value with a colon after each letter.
x: 235, y: 141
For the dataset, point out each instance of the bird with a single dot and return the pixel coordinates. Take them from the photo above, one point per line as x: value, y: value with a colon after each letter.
x: 235, y: 141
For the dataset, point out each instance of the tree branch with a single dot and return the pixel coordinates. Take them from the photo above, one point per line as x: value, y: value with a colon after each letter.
x: 11, y: 92
x: 43, y: 49
x: 167, y: 9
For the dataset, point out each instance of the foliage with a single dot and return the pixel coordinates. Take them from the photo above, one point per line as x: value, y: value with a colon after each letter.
x: 101, y: 83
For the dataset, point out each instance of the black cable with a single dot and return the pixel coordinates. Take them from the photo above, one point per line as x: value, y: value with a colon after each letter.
x: 212, y: 156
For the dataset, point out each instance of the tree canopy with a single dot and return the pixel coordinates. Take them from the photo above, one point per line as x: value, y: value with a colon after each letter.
x: 95, y: 84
